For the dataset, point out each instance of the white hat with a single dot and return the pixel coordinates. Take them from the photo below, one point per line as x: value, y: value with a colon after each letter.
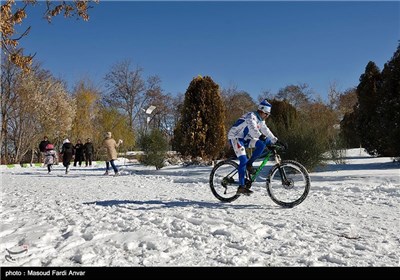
x: 66, y: 141
x: 265, y: 107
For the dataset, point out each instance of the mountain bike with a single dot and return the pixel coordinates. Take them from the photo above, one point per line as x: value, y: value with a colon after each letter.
x: 288, y: 182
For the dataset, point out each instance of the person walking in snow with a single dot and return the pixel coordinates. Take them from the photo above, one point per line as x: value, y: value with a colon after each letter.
x: 89, y: 151
x: 50, y: 157
x: 250, y: 131
x: 67, y: 152
x: 78, y: 152
x: 42, y: 148
x: 111, y: 146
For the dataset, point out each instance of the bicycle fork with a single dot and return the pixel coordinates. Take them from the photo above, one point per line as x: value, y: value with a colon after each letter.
x: 285, y: 181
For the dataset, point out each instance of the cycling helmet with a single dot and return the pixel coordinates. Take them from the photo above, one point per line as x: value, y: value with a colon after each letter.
x: 265, y: 107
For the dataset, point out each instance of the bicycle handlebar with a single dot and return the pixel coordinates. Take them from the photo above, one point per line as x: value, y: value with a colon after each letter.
x: 272, y: 148
x: 277, y: 147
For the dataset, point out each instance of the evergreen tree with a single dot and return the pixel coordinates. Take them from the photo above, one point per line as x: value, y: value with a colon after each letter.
x: 155, y: 147
x: 283, y: 114
x: 388, y: 112
x: 347, y: 130
x: 366, y: 111
x: 347, y: 105
x: 201, y: 131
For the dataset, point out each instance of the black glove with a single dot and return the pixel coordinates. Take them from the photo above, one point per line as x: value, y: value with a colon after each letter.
x: 284, y: 145
x: 262, y: 137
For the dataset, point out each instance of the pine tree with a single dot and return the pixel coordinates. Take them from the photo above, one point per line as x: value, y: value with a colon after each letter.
x: 347, y: 130
x: 201, y: 131
x: 366, y: 111
x: 389, y: 108
x: 155, y: 147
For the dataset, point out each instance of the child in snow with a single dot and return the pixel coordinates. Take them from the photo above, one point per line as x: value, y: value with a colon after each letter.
x: 50, y: 156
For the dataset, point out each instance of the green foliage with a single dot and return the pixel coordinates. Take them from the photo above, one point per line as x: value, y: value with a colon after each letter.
x: 309, y: 134
x: 306, y: 144
x: 201, y: 130
x: 283, y: 113
x: 337, y: 150
x: 348, y: 132
x: 109, y: 119
x: 87, y: 105
x: 367, y: 93
x: 155, y: 147
x: 388, y: 111
x: 376, y: 117
x: 176, y: 141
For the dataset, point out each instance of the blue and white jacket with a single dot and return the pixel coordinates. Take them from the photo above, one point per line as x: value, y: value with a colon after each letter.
x: 250, y: 126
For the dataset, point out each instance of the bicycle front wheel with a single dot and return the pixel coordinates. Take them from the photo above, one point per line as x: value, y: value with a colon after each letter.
x: 224, y: 180
x: 288, y: 184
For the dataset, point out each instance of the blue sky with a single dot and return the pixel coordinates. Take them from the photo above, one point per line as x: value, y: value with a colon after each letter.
x: 255, y: 46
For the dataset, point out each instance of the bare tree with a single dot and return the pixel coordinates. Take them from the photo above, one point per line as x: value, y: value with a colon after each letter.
x: 177, y: 104
x: 342, y: 102
x: 40, y: 104
x: 129, y: 92
x: 297, y: 95
x: 333, y: 96
x: 14, y: 13
x: 126, y: 88
x: 348, y: 100
x: 266, y: 94
x: 9, y: 74
x: 153, y: 96
x: 237, y: 102
x: 163, y: 116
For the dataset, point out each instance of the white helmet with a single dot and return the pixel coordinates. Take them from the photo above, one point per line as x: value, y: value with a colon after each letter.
x: 265, y: 107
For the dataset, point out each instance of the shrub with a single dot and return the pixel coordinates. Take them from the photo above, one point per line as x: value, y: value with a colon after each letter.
x: 155, y: 147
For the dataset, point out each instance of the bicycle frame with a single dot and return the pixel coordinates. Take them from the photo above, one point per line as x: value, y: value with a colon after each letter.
x: 267, y: 155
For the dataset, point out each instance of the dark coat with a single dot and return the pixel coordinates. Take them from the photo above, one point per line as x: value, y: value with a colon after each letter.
x: 42, y: 145
x: 88, y: 148
x: 79, y: 151
x: 67, y: 152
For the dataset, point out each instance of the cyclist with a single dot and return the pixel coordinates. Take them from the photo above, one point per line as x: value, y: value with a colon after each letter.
x: 250, y: 131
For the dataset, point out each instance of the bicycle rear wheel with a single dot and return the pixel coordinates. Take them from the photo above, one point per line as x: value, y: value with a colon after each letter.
x: 288, y: 184
x: 224, y: 180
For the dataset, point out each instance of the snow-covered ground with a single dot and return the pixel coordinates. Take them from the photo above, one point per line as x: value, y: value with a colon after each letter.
x: 169, y: 217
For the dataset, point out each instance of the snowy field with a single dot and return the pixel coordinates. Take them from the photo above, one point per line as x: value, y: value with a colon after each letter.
x: 169, y: 217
